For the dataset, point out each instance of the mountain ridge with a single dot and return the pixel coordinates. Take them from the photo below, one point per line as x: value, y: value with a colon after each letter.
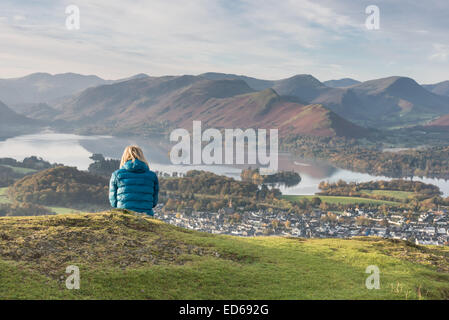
x: 387, y: 102
x: 218, y: 103
x: 380, y: 102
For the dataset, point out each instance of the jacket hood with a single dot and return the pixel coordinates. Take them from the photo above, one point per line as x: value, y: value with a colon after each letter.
x: 135, y: 166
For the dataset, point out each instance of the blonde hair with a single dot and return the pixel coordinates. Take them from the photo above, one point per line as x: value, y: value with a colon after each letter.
x: 132, y: 153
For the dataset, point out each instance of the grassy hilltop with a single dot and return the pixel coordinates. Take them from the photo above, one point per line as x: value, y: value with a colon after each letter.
x: 124, y: 256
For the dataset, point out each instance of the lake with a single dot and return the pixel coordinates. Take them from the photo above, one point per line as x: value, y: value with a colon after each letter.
x: 75, y: 150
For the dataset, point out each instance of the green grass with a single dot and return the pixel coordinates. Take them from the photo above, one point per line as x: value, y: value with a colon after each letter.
x: 3, y: 197
x: 340, y: 200
x: 398, y: 195
x: 123, y: 256
x: 31, y: 286
x: 20, y: 170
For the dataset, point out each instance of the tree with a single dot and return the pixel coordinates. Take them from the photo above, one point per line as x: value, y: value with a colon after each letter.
x: 316, y: 201
x: 97, y: 157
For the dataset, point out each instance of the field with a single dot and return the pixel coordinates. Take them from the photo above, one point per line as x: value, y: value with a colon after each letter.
x: 398, y: 195
x: 123, y: 256
x: 340, y: 200
x: 3, y: 197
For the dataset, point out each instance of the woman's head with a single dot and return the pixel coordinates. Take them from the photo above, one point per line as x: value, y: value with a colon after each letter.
x: 132, y: 153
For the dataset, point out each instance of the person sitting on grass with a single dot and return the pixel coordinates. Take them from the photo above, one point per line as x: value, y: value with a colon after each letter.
x: 134, y: 186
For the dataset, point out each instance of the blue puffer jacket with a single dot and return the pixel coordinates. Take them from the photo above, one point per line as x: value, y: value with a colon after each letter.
x: 134, y: 187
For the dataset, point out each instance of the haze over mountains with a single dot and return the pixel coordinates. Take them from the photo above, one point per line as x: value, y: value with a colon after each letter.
x: 44, y: 87
x: 12, y: 123
x: 341, y: 83
x: 10, y: 117
x: 297, y: 105
x: 47, y: 88
x: 441, y: 88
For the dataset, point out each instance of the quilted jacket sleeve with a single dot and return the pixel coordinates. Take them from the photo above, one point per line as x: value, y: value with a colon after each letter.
x: 156, y: 191
x: 113, y: 190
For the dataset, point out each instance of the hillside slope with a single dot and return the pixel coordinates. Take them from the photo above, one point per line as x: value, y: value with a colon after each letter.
x: 124, y: 256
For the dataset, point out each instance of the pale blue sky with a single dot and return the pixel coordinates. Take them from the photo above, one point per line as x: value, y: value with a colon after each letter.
x: 265, y: 39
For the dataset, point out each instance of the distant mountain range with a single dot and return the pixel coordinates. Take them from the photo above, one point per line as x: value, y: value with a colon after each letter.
x: 297, y: 105
x: 46, y: 88
x: 218, y: 103
x: 392, y: 101
x: 341, y: 83
x: 441, y: 88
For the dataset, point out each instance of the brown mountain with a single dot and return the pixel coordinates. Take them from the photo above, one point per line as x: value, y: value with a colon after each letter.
x: 176, y: 101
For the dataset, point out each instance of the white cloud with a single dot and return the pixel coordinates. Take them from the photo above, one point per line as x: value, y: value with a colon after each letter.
x: 441, y: 52
x: 19, y: 17
x: 268, y: 39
